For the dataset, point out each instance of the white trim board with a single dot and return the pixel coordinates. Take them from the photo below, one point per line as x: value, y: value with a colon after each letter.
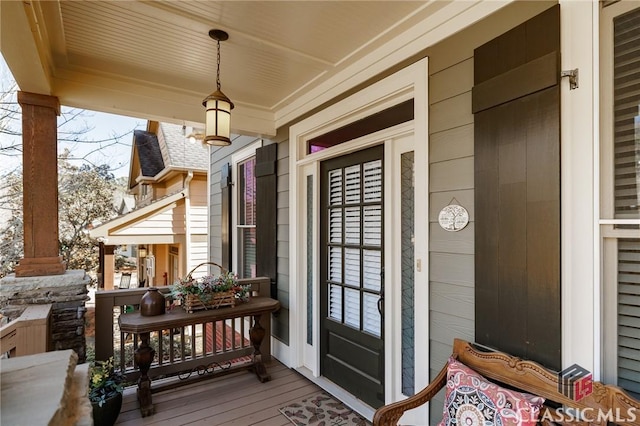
x: 408, y: 83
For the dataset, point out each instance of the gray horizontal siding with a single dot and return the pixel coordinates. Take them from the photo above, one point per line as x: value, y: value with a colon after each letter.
x: 281, y: 330
x: 451, y: 176
x: 451, y: 254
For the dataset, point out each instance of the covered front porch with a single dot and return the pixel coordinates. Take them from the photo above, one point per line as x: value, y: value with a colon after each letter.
x: 236, y: 399
x: 380, y: 96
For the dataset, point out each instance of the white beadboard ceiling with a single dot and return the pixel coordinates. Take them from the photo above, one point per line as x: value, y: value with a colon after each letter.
x: 154, y: 59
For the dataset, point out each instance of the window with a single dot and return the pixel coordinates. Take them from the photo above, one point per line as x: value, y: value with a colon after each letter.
x: 243, y: 211
x: 246, y: 227
x: 174, y: 264
x: 620, y: 212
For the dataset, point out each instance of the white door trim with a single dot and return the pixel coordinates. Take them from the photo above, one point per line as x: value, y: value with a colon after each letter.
x: 408, y: 83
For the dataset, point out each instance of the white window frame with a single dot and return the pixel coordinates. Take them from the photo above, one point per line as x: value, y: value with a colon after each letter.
x: 607, y: 222
x: 237, y: 158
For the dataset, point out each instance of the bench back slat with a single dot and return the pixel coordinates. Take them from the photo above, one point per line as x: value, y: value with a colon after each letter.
x: 605, y: 403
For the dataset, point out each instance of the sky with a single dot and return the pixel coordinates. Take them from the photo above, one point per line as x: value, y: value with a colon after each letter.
x: 107, y: 141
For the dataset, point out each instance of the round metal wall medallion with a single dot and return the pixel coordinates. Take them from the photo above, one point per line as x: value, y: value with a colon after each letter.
x: 453, y: 218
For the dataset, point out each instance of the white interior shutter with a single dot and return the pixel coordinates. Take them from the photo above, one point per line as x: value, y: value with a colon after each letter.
x: 629, y: 314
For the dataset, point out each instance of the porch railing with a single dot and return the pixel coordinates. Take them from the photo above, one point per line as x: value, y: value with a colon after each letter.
x: 28, y: 334
x: 184, y: 351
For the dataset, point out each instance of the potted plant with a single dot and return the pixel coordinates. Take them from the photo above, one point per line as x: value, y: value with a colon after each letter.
x: 105, y: 392
x: 210, y: 291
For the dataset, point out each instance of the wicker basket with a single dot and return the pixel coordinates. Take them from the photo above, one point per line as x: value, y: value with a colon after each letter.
x: 194, y: 303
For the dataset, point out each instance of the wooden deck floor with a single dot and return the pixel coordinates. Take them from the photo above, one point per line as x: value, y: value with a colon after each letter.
x: 237, y: 399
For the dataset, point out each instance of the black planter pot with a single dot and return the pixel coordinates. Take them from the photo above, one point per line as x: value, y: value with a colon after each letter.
x: 109, y: 412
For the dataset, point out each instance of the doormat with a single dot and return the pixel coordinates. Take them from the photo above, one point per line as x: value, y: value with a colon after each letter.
x: 322, y: 409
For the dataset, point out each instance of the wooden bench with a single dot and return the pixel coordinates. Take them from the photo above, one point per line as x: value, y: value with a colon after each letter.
x: 606, y: 402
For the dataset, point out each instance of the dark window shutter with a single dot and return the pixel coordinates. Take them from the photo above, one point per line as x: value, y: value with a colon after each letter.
x: 225, y: 220
x: 266, y: 219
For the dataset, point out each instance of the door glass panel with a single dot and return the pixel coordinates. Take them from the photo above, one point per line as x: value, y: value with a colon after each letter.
x: 335, y: 302
x: 371, y: 315
x: 407, y: 191
x: 352, y: 267
x: 372, y: 270
x: 335, y: 187
x: 352, y: 184
x: 352, y: 307
x: 352, y: 225
x: 372, y: 225
x: 310, y: 260
x: 335, y: 264
x: 335, y: 226
x: 372, y: 181
x: 355, y: 242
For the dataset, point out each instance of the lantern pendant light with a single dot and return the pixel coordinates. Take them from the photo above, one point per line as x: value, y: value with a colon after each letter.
x: 218, y: 106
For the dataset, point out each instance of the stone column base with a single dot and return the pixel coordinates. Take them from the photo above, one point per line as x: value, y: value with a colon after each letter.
x: 67, y: 293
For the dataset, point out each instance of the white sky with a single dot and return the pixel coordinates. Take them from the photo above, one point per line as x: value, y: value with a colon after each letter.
x: 103, y: 126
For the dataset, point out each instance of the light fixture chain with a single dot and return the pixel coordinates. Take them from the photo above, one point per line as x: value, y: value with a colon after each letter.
x: 218, y: 75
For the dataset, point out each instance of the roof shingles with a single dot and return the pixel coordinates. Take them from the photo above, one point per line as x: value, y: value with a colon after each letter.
x: 151, y: 162
x: 183, y: 153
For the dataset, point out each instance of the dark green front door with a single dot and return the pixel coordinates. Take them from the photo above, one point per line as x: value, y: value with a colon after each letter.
x: 351, y: 274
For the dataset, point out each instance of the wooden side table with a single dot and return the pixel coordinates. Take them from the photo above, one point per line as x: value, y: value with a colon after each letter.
x: 258, y: 308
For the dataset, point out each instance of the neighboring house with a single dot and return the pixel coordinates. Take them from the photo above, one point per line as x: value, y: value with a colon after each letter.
x: 168, y: 178
x: 456, y: 103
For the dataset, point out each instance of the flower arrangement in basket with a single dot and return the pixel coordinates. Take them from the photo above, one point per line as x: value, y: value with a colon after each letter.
x: 210, y: 291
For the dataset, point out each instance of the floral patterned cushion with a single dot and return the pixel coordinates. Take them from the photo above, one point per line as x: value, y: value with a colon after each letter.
x: 471, y: 400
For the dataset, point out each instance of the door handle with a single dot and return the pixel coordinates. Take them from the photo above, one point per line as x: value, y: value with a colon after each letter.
x: 381, y: 299
x: 381, y: 304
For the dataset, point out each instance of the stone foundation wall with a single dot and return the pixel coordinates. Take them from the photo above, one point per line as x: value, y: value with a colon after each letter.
x: 67, y: 293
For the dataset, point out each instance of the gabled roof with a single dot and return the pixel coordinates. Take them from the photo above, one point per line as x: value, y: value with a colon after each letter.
x: 119, y: 230
x: 181, y: 151
x: 162, y: 147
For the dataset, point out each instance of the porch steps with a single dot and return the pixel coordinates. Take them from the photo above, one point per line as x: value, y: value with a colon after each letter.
x: 45, y: 389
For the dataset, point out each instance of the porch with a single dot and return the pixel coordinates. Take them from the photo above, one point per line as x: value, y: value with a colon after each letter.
x: 237, y: 399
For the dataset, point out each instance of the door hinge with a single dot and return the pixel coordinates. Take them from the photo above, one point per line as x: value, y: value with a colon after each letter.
x: 573, y: 77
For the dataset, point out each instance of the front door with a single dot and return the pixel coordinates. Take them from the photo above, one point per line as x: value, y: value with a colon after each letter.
x: 351, y: 273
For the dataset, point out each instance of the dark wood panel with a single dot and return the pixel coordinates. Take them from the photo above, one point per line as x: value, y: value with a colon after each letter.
x: 266, y: 218
x: 543, y: 212
x: 349, y: 352
x: 528, y: 41
x: 384, y: 119
x: 511, y: 53
x: 517, y: 191
x: 537, y: 74
x: 511, y: 300
x: 543, y: 33
x: 512, y: 161
x: 367, y: 388
x: 487, y: 218
x: 543, y: 151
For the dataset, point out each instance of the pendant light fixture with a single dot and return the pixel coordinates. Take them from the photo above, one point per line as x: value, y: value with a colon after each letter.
x: 218, y: 106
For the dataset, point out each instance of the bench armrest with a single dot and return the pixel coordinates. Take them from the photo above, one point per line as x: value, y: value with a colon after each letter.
x: 390, y: 414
